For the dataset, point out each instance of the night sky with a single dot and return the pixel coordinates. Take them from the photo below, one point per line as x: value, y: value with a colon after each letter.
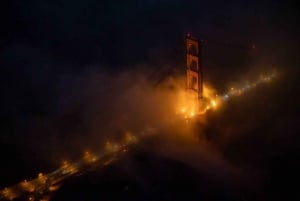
x: 55, y: 54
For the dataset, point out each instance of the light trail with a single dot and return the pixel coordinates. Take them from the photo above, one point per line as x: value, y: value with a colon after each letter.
x: 237, y: 91
x: 45, y: 184
x: 192, y: 107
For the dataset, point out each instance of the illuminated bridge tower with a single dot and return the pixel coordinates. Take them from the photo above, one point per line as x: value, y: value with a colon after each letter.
x: 193, y: 67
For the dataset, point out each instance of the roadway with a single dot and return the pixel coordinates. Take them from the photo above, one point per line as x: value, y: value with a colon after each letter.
x: 43, y: 185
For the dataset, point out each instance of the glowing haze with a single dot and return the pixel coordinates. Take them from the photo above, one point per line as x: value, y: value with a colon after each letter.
x: 141, y: 112
x: 189, y: 106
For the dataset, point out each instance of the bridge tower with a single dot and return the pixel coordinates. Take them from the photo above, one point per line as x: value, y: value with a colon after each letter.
x: 193, y: 67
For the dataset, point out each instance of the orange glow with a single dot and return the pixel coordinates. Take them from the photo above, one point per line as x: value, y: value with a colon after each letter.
x: 192, y: 114
x: 88, y: 157
x: 214, y: 103
x: 189, y: 106
x: 130, y: 138
x: 65, y: 164
x: 27, y: 186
